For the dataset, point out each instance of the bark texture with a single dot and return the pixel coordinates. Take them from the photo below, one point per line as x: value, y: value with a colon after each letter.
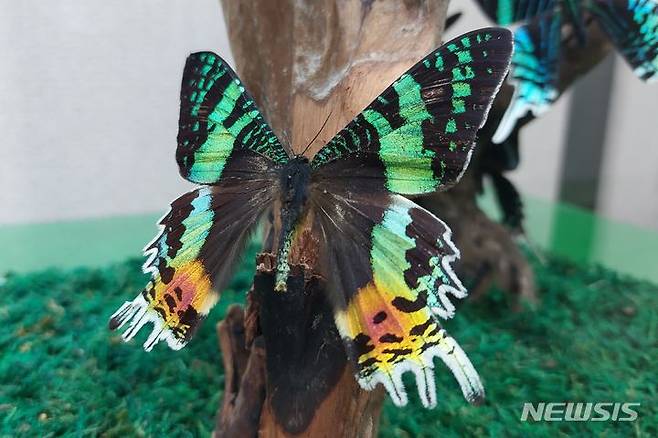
x: 309, y: 64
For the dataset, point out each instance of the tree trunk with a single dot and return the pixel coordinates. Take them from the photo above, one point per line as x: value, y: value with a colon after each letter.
x: 311, y: 67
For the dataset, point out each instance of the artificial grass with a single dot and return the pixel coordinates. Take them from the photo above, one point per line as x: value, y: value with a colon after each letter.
x: 593, y: 338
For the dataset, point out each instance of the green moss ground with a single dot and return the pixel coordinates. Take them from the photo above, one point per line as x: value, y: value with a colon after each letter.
x: 594, y: 338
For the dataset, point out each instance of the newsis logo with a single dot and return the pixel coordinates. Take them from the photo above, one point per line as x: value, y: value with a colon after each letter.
x: 580, y: 411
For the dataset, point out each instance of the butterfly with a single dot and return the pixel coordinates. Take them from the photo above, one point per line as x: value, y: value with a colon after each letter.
x: 387, y: 261
x: 632, y: 25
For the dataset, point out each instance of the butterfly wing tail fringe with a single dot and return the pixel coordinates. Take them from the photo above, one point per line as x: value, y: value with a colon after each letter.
x: 138, y: 313
x: 452, y: 356
x: 456, y: 360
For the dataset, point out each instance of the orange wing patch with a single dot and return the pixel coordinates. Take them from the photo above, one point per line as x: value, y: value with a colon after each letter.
x: 391, y: 334
x: 174, y: 308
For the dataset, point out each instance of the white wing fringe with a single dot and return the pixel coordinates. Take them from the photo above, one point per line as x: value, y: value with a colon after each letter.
x: 451, y: 354
x: 137, y: 313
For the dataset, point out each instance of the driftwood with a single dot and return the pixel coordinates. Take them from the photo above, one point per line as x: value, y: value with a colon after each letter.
x: 293, y: 376
x: 309, y: 64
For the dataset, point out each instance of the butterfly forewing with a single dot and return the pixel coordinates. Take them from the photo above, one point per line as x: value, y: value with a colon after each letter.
x: 506, y: 12
x: 633, y: 26
x: 418, y: 135
x: 534, y: 71
x: 218, y: 118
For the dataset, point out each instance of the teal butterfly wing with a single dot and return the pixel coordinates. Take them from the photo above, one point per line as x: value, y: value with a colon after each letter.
x: 219, y: 122
x: 223, y: 142
x: 506, y: 12
x: 387, y: 260
x: 632, y: 25
x: 418, y: 135
x: 534, y: 71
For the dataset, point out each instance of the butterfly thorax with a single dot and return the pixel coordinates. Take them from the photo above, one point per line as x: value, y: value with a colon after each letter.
x: 295, y: 176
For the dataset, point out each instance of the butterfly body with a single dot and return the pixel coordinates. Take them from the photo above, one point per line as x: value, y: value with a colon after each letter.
x: 295, y: 178
x: 386, y: 262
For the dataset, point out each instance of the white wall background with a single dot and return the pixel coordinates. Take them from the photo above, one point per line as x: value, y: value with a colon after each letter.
x: 89, y: 103
x: 89, y: 109
x: 629, y: 190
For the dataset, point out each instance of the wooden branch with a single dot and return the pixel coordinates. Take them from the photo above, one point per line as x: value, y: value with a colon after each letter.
x: 244, y: 371
x: 231, y: 335
x: 310, y: 390
x: 293, y: 379
x: 307, y: 63
x: 347, y: 411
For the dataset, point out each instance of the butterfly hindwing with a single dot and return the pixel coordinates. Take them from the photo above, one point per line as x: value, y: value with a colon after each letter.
x: 191, y: 260
x: 534, y: 71
x: 394, y: 259
x: 218, y: 120
x: 633, y: 27
x: 418, y: 135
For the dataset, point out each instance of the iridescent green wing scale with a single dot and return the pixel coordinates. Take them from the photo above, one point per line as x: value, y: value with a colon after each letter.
x: 219, y: 121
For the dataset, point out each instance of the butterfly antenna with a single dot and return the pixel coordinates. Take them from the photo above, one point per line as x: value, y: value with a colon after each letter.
x: 318, y: 134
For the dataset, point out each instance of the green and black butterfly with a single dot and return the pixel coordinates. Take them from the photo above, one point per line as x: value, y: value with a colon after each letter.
x: 387, y: 260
